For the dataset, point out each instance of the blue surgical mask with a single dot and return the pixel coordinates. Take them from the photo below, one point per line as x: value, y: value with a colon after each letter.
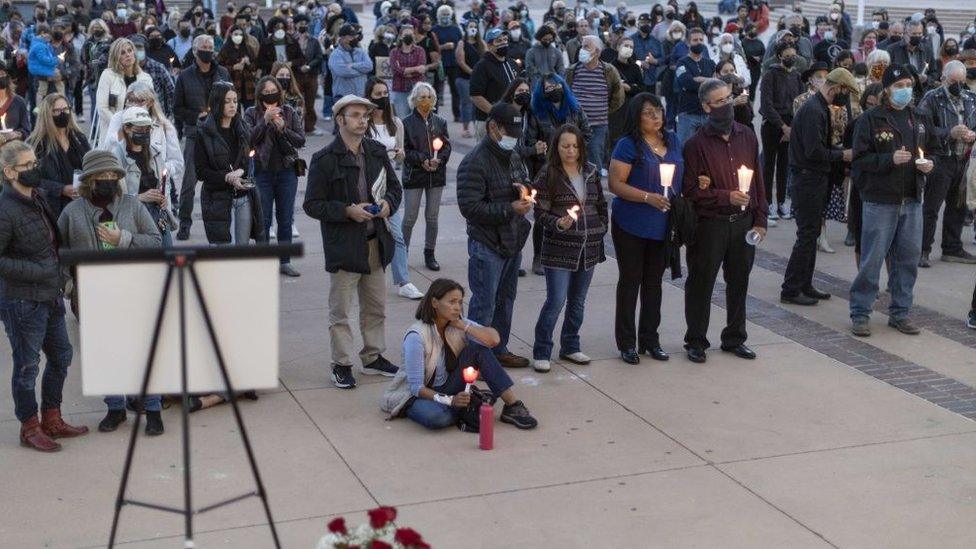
x: 901, y: 97
x: 584, y: 56
x: 508, y: 143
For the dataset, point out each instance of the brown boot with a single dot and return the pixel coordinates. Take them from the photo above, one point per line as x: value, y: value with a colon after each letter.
x: 31, y: 436
x: 55, y: 427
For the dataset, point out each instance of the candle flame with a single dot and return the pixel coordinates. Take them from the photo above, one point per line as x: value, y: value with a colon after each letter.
x: 3, y: 121
x: 532, y: 196
x: 470, y: 374
x: 640, y: 63
x: 61, y: 56
x: 251, y: 154
x: 573, y: 212
x: 438, y: 143
x: 165, y: 171
x: 921, y: 155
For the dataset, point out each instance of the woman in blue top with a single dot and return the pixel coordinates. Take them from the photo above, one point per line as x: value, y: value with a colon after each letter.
x: 429, y: 388
x: 639, y: 223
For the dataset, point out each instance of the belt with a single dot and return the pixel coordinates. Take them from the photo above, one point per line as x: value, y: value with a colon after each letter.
x: 735, y: 217
x: 370, y: 237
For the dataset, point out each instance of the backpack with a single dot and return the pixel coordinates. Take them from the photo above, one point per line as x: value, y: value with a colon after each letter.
x: 469, y: 419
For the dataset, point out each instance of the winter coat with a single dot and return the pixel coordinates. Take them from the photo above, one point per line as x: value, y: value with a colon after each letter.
x: 419, y: 135
x: 265, y: 137
x: 111, y: 85
x: 57, y: 171
x: 28, y: 251
x: 581, y: 245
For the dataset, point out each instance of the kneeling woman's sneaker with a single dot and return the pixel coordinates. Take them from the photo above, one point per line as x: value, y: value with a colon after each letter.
x: 112, y: 420
x: 518, y: 415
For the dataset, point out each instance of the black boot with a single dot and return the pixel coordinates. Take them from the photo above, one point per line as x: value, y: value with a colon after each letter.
x: 429, y: 260
x: 154, y: 424
x: 112, y: 420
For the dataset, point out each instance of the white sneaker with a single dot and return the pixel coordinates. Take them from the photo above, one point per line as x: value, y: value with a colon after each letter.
x: 272, y: 232
x: 410, y: 291
x: 294, y: 232
x: 541, y: 365
x: 770, y: 222
x: 823, y: 245
x: 576, y: 358
x: 603, y: 172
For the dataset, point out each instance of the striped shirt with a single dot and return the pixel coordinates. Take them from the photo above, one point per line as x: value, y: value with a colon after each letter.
x: 592, y: 92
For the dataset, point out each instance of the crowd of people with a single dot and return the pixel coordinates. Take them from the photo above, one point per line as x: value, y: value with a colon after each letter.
x: 657, y: 108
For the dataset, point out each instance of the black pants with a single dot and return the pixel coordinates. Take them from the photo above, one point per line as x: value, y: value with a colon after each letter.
x: 776, y: 160
x: 188, y: 187
x: 810, y: 192
x: 641, y: 262
x: 718, y: 243
x: 451, y: 74
x: 944, y: 184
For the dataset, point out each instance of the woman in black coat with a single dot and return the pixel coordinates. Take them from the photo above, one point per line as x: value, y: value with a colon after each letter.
x: 60, y: 146
x: 632, y: 81
x: 228, y: 200
x: 425, y: 168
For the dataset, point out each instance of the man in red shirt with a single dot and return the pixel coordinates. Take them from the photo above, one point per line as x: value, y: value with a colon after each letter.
x: 713, y: 157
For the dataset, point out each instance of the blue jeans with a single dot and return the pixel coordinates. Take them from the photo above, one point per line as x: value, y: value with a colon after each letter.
x: 597, y: 145
x: 399, y: 266
x: 463, y: 86
x: 433, y: 415
x: 32, y: 327
x: 888, y: 230
x: 493, y: 281
x: 327, y: 102
x: 560, y: 286
x: 278, y: 188
x: 688, y: 124
x: 152, y: 403
x: 400, y: 104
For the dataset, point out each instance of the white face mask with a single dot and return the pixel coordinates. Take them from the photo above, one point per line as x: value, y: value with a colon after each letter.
x: 931, y: 29
x: 585, y: 56
x: 140, y: 55
x: 507, y: 143
x: 676, y: 36
x: 472, y: 31
x: 237, y: 38
x: 875, y: 25
x: 302, y: 10
x: 834, y: 16
x: 121, y: 12
x: 279, y: 34
x: 389, y: 37
x: 626, y: 52
x: 726, y: 48
x: 515, y: 34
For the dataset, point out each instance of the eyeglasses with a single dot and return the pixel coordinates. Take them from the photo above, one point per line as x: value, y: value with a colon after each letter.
x: 652, y: 112
x: 28, y: 166
x: 61, y: 111
x: 362, y: 116
x: 722, y: 102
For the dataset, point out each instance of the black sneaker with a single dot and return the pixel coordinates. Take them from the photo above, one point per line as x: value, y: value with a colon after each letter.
x: 112, y: 420
x: 183, y: 233
x: 962, y: 256
x: 518, y: 415
x: 342, y: 377
x: 380, y: 366
x: 154, y: 424
x: 971, y: 321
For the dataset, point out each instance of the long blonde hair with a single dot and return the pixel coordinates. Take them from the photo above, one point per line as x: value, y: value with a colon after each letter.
x: 146, y: 93
x: 115, y: 57
x: 44, y: 136
x: 99, y: 23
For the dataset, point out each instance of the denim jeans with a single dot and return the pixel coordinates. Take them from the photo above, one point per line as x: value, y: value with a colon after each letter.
x: 152, y: 403
x: 401, y: 275
x: 463, y: 86
x: 32, y: 327
x: 596, y: 148
x: 401, y: 106
x: 278, y: 188
x: 688, y: 124
x: 240, y: 221
x: 493, y: 281
x: 561, y: 285
x: 888, y: 230
x: 433, y: 415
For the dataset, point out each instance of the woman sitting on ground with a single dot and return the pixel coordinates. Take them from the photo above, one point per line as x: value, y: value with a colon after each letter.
x: 429, y: 388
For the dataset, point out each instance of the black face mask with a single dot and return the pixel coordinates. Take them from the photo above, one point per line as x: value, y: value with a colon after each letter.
x: 952, y: 51
x: 285, y: 83
x: 140, y: 138
x: 30, y: 178
x: 302, y: 29
x: 788, y: 62
x: 156, y: 42
x: 645, y: 29
x: 205, y: 56
x: 915, y: 40
x: 381, y: 102
x: 98, y: 33
x: 185, y: 33
x: 720, y: 118
x: 57, y: 36
x: 501, y: 51
x: 407, y: 40
x: 955, y: 88
x: 105, y: 188
x: 971, y: 74
x: 270, y: 98
x: 554, y: 95
x: 4, y: 81
x: 61, y: 119
x: 751, y: 34
x: 841, y: 100
x: 698, y: 49
x: 522, y: 99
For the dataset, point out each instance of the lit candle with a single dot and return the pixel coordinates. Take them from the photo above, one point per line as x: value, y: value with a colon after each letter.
x: 250, y: 163
x: 3, y: 122
x: 470, y: 376
x: 573, y: 212
x: 162, y: 183
x: 438, y: 143
x: 61, y: 56
x: 640, y: 64
x: 745, y: 181
x: 530, y: 195
x: 667, y: 177
x: 921, y: 155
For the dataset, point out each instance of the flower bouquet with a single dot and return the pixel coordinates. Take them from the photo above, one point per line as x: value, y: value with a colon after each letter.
x: 379, y: 533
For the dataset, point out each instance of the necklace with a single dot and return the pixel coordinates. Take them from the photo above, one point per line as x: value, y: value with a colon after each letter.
x: 658, y: 148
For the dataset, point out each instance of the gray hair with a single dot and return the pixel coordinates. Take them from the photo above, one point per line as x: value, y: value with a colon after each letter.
x: 201, y: 40
x: 589, y: 38
x: 914, y: 23
x: 416, y: 91
x: 952, y: 67
x: 878, y: 56
x: 707, y: 87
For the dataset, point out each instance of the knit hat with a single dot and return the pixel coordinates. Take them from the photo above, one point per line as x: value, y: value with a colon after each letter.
x: 894, y: 73
x: 98, y: 161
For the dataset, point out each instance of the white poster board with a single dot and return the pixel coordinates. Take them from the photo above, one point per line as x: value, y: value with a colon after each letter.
x: 118, y: 307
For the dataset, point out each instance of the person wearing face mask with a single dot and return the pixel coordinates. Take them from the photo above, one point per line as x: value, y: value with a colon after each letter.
x: 449, y: 36
x: 490, y: 77
x: 724, y: 215
x: 159, y: 51
x: 94, y: 57
x: 693, y: 69
x: 948, y: 52
x: 968, y: 58
x: 518, y: 44
x: 349, y: 64
x: 239, y: 56
x: 869, y: 42
x: 307, y: 73
x: 105, y: 217
x: 950, y: 114
x: 123, y: 69
x: 631, y: 80
x: 543, y: 58
x: 279, y: 46
x: 600, y: 92
x: 726, y: 49
x: 779, y: 87
x: 754, y: 51
x: 648, y: 50
x: 190, y: 107
x: 495, y: 212
x: 60, y: 146
x: 467, y: 54
x: 31, y: 300
x: 122, y: 26
x: 409, y: 65
x: 812, y: 152
x: 181, y: 43
x: 916, y: 52
x: 162, y: 81
x: 887, y: 139
x: 12, y: 107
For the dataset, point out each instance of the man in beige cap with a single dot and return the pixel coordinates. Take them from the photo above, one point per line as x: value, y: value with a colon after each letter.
x: 811, y: 157
x: 352, y: 189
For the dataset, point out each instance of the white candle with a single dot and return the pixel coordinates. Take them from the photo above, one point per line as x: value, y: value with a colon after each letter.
x: 745, y: 181
x: 438, y: 143
x: 573, y: 212
x: 667, y: 177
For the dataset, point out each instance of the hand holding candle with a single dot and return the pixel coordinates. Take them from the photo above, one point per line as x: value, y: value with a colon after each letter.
x: 438, y: 143
x: 745, y: 181
x: 470, y: 376
x: 667, y: 177
x: 573, y: 212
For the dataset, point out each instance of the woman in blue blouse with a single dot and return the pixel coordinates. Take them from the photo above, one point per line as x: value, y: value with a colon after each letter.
x: 639, y: 223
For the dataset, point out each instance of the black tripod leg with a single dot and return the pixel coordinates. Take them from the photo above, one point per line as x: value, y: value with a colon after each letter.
x: 119, y: 500
x: 233, y: 402
x: 187, y: 494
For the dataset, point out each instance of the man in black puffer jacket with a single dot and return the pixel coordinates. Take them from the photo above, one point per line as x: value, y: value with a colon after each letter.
x: 495, y: 211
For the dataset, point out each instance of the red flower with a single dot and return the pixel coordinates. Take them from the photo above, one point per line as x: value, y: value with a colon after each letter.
x: 381, y: 516
x: 377, y: 544
x: 408, y: 537
x: 338, y: 526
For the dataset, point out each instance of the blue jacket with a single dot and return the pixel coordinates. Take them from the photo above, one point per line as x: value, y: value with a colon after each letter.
x: 41, y: 60
x: 350, y: 69
x: 649, y: 45
x: 685, y: 85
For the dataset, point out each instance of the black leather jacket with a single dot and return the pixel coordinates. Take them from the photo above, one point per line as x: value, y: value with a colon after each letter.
x: 938, y: 108
x: 418, y: 138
